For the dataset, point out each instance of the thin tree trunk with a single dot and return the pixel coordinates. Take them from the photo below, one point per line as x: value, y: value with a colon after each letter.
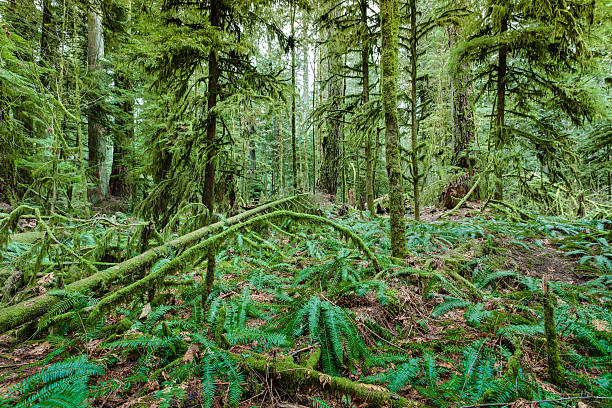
x: 414, y: 125
x: 117, y: 183
x: 211, y: 124
x: 389, y: 26
x: 46, y: 33
x: 365, y: 97
x: 211, y: 131
x: 77, y: 104
x: 281, y: 181
x: 293, y: 135
x: 501, y: 110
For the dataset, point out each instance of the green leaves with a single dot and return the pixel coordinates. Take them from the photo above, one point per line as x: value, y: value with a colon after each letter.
x: 331, y: 327
x: 61, y: 385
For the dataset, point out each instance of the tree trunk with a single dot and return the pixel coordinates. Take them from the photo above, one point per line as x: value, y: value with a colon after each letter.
x: 95, y: 130
x: 389, y: 26
x: 463, y: 117
x: 293, y: 135
x: 414, y: 124
x: 211, y: 144
x: 80, y: 142
x: 281, y: 181
x: 46, y: 35
x: 500, y: 110
x: 365, y: 97
x: 330, y: 162
x: 117, y: 183
x: 211, y: 124
x: 125, y: 122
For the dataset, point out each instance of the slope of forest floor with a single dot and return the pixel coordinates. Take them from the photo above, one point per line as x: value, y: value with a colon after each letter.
x: 459, y: 322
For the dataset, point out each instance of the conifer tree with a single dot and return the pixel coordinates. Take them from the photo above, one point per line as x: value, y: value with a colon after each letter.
x: 526, y: 52
x: 389, y: 27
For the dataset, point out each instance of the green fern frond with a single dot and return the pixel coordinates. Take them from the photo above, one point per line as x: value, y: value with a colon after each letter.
x: 318, y: 403
x: 449, y: 304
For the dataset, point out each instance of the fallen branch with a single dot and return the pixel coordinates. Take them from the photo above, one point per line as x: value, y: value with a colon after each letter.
x: 196, y: 254
x: 372, y: 395
x: 31, y: 309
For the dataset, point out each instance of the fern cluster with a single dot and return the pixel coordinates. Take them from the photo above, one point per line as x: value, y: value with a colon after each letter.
x: 63, y: 384
x: 331, y: 327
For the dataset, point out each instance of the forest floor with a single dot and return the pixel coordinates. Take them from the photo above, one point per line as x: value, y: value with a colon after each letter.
x: 460, y: 322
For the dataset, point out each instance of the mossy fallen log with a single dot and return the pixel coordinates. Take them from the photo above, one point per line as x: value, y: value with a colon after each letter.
x: 294, y: 374
x: 196, y: 254
x: 26, y: 311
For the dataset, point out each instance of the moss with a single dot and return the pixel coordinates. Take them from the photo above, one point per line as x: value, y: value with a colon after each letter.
x: 195, y: 254
x: 313, y: 360
x: 555, y: 371
x: 220, y: 338
x: 294, y: 374
x: 118, y: 328
x: 162, y: 299
x: 16, y: 315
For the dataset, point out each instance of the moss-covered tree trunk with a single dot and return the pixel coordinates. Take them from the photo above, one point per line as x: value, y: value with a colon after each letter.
x: 293, y: 90
x: 332, y: 139
x: 211, y: 131
x: 464, y: 129
x: 125, y: 121
x: 555, y: 371
x: 389, y: 26
x: 414, y: 121
x: 500, y: 108
x: 365, y: 97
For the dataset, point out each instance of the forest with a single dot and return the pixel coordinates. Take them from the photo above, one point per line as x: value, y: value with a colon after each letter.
x: 293, y: 204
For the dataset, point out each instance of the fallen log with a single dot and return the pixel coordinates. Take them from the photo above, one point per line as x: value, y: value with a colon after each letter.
x: 291, y: 373
x: 196, y: 253
x: 28, y: 310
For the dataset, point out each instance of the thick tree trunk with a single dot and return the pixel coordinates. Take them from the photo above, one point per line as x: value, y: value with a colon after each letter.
x: 365, y: 97
x: 330, y: 162
x: 463, y: 116
x: 500, y: 111
x: 95, y: 129
x: 389, y: 27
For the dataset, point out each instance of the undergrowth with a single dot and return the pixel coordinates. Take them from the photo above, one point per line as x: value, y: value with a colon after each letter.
x: 460, y: 322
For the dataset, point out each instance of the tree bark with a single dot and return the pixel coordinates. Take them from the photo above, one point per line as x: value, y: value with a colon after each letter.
x: 46, y: 34
x: 211, y: 124
x: 293, y: 135
x: 95, y: 130
x: 330, y: 160
x: 463, y: 116
x: 389, y: 27
x: 211, y: 142
x: 125, y: 122
x: 365, y: 97
x: 414, y: 124
x: 500, y: 110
